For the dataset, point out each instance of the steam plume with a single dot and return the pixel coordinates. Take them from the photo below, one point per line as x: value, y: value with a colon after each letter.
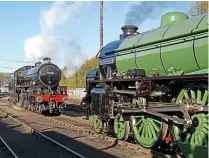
x: 78, y: 57
x: 75, y: 56
x: 40, y: 46
x: 47, y: 45
x: 147, y: 10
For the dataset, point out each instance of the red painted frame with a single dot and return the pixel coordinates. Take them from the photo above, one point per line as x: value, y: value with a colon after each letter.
x: 54, y: 98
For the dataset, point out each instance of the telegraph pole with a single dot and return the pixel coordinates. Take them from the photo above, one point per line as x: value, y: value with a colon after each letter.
x: 101, y: 31
x: 101, y: 24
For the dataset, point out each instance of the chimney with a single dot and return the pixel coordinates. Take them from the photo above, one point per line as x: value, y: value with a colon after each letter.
x: 128, y: 31
x: 37, y: 64
x: 46, y: 60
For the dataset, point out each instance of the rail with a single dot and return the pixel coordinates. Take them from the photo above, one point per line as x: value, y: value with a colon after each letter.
x: 42, y: 135
x: 8, y: 148
x: 125, y: 144
x: 60, y: 145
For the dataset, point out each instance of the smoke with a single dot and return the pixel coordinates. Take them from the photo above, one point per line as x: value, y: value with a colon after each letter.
x: 78, y: 57
x: 40, y: 46
x: 45, y: 44
x: 147, y: 10
x: 75, y: 56
x: 58, y: 14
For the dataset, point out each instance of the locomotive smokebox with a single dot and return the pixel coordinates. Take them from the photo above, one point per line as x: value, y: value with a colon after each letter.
x: 128, y: 31
x: 46, y: 60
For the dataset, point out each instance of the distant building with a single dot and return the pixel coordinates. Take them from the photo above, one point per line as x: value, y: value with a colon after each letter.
x: 4, y: 88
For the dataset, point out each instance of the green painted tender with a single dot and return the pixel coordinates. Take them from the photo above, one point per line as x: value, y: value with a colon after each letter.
x: 179, y: 46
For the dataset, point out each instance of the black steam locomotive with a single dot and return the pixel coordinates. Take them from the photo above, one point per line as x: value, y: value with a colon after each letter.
x: 36, y: 88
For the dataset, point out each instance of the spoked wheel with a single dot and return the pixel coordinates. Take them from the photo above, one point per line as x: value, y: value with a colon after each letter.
x: 121, y: 128
x: 20, y: 103
x: 41, y: 109
x: 148, y: 131
x: 193, y: 142
x: 25, y: 104
x: 61, y: 109
x: 29, y: 107
x: 98, y: 124
x: 33, y: 108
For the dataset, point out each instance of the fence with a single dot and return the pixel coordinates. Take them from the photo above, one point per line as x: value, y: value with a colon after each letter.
x: 77, y: 93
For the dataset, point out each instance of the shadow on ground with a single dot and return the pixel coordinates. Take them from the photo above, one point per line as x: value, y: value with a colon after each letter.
x: 25, y: 146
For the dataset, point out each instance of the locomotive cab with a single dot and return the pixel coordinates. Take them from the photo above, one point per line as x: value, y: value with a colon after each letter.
x: 107, y: 59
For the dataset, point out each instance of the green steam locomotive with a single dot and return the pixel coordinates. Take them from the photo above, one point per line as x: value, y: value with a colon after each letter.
x: 153, y: 86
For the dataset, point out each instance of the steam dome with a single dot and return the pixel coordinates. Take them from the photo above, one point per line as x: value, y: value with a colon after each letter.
x: 173, y: 18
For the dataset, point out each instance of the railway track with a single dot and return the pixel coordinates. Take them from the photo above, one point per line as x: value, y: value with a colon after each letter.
x: 64, y: 119
x: 6, y: 150
x: 86, y: 144
x: 128, y: 145
x: 88, y: 131
x: 67, y: 121
x: 45, y: 145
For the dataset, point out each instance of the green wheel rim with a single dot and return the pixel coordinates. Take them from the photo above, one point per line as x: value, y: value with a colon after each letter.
x: 121, y: 128
x: 199, y: 96
x: 147, y: 130
x: 98, y: 124
x: 193, y: 142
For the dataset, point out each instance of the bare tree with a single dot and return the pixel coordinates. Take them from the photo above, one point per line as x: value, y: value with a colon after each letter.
x: 198, y: 7
x: 3, y: 78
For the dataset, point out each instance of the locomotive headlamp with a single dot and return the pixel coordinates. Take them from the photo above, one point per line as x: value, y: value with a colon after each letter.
x: 65, y: 100
x: 39, y: 99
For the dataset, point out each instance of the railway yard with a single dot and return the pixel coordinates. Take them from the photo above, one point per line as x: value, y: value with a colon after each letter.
x: 68, y: 135
x: 143, y: 95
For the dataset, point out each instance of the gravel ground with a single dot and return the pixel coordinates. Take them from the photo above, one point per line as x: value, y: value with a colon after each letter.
x: 89, y: 146
x: 26, y: 144
x: 82, y: 123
